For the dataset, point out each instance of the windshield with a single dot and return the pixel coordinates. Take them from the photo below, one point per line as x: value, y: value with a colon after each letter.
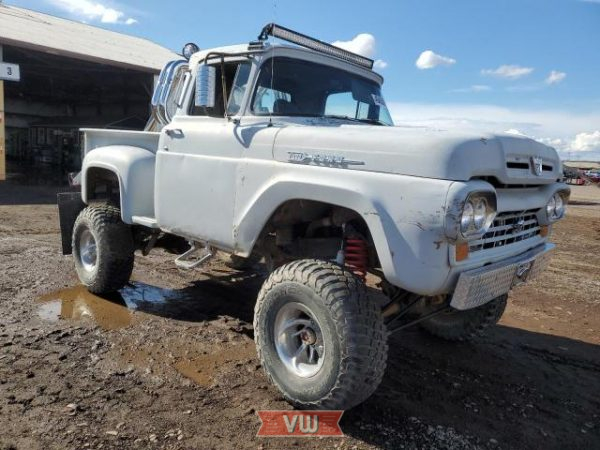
x: 292, y: 87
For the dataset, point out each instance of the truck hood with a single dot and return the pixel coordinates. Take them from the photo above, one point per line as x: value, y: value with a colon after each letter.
x: 419, y: 151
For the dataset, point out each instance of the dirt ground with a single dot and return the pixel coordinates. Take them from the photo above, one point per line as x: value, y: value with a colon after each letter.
x: 170, y: 362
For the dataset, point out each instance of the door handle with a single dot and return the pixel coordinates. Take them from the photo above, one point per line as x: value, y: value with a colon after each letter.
x: 174, y: 132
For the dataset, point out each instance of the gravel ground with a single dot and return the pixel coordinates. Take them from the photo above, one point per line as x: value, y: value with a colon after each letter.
x: 170, y: 362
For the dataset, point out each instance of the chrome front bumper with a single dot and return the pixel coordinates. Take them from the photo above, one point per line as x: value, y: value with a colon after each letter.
x: 479, y: 286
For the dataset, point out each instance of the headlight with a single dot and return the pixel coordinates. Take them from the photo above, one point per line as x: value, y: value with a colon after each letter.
x: 551, y: 206
x: 478, y: 213
x: 466, y: 220
x: 556, y: 207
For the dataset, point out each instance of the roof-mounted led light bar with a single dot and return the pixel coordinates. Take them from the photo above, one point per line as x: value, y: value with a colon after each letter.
x: 313, y: 44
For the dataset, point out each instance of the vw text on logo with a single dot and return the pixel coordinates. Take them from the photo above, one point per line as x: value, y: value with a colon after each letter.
x: 537, y: 165
x: 300, y: 423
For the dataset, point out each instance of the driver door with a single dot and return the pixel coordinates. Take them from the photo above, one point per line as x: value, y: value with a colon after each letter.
x: 197, y: 166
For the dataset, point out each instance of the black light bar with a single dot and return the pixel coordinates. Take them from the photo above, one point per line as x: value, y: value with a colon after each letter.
x: 294, y: 37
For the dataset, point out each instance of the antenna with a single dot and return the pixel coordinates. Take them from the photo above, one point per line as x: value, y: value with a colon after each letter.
x: 273, y: 67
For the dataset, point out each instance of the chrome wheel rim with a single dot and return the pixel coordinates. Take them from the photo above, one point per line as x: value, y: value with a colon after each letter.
x: 87, y: 250
x: 299, y: 340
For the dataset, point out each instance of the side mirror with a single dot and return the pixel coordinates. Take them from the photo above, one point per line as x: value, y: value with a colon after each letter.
x: 206, y: 86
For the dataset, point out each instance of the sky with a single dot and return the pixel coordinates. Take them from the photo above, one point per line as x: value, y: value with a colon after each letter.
x: 528, y: 67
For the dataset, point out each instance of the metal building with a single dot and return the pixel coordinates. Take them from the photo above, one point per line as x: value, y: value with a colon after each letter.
x: 62, y: 75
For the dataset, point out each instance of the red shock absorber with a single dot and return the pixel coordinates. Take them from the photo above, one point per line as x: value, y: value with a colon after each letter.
x: 357, y: 256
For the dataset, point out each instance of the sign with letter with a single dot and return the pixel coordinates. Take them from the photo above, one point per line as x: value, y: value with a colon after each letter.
x: 300, y: 423
x: 10, y: 72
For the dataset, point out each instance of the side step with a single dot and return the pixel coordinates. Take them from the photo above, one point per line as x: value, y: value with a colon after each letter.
x: 189, y: 260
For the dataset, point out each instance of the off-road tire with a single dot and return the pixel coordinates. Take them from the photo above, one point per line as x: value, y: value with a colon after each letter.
x: 355, y: 361
x: 114, y: 249
x: 466, y: 325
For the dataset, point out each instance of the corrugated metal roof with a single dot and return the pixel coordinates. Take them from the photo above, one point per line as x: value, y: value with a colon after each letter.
x: 582, y: 164
x: 25, y: 28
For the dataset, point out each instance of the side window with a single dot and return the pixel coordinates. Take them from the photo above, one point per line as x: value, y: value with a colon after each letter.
x: 239, y: 88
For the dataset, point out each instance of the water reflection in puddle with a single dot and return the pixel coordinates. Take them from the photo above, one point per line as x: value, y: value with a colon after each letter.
x: 113, y: 311
x: 197, y: 361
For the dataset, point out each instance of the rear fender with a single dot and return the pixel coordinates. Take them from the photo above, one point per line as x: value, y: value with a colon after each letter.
x: 134, y: 168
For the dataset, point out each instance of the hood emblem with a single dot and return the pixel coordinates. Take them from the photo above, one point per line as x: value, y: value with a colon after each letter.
x: 536, y: 165
x: 322, y: 160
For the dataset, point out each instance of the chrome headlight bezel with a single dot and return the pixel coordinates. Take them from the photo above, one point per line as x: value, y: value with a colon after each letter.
x: 482, y: 209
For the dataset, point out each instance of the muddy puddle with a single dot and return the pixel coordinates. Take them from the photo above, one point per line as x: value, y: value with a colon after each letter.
x: 198, y: 360
x: 200, y: 366
x: 117, y: 310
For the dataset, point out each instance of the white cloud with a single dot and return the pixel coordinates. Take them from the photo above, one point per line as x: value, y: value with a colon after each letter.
x: 90, y: 10
x: 585, y: 142
x: 473, y: 88
x: 555, y: 77
x: 564, y: 130
x: 362, y: 44
x: 380, y: 64
x: 512, y: 72
x: 428, y: 60
x: 515, y: 132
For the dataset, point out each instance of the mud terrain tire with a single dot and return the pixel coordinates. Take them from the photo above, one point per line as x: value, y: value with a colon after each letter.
x: 350, y: 330
x: 102, y: 249
x: 466, y: 325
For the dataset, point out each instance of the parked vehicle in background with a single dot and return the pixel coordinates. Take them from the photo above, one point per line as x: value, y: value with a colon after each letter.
x: 593, y: 175
x: 288, y: 154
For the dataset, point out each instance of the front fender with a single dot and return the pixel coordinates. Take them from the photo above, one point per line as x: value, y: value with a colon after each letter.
x: 405, y: 215
x: 134, y: 168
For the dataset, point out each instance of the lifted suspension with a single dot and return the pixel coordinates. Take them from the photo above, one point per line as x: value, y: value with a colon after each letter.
x: 395, y: 311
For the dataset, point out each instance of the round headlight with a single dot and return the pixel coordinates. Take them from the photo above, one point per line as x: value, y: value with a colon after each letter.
x: 480, y: 214
x: 551, y: 207
x: 466, y: 220
x: 559, y: 207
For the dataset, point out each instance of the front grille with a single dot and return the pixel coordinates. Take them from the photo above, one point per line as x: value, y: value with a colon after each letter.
x: 508, y: 228
x: 527, y: 166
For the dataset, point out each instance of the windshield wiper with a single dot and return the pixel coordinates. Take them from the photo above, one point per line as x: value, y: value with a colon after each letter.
x: 354, y: 119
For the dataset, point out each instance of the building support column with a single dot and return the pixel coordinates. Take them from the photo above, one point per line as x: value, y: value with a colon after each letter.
x: 2, y: 130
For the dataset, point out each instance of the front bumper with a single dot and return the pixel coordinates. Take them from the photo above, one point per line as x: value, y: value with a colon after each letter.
x: 477, y: 287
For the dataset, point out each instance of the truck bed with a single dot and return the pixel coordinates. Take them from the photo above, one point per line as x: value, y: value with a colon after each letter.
x: 94, y: 138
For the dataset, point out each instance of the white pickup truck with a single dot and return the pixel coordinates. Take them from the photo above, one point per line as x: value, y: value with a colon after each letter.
x: 287, y: 154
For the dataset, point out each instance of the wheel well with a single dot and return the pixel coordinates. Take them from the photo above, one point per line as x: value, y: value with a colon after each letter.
x: 312, y: 229
x: 102, y: 185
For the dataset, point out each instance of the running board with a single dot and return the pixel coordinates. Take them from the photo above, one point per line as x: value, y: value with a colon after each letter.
x: 188, y: 260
